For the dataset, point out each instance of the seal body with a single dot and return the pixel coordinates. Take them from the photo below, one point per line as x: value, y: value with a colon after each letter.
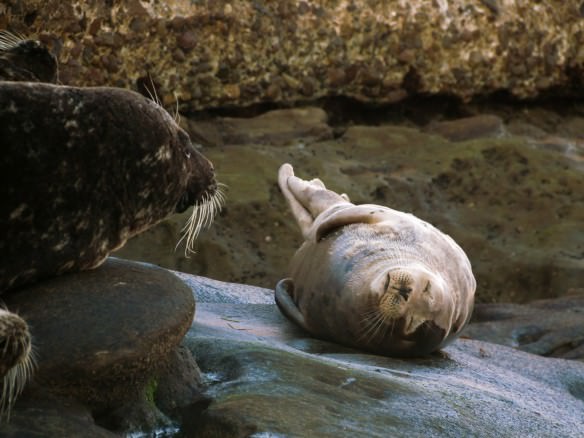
x: 371, y: 277
x: 81, y: 171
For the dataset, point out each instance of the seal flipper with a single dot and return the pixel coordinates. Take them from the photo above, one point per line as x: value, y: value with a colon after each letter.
x: 285, y: 303
x: 348, y: 214
x: 302, y: 216
x: 313, y: 195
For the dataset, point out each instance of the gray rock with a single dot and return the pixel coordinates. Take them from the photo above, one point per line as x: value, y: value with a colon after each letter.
x: 278, y: 128
x: 179, y: 383
x: 468, y: 128
x: 267, y: 378
x: 290, y: 51
x: 207, y: 290
x: 551, y: 327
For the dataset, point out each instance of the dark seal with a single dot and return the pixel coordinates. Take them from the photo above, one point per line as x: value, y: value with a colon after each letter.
x: 84, y: 169
x: 23, y: 59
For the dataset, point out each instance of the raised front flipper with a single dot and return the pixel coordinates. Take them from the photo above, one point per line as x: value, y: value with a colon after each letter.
x: 286, y: 304
x: 347, y: 214
x: 302, y: 216
x: 307, y: 199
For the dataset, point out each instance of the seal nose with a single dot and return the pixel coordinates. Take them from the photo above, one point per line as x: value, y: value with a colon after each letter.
x: 404, y: 291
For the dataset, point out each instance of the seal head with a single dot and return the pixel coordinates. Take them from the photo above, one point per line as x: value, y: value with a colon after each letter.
x: 23, y: 59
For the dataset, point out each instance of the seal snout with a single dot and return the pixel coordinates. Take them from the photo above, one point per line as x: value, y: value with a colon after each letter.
x: 404, y: 291
x: 401, y: 282
x: 389, y: 305
x: 201, y: 185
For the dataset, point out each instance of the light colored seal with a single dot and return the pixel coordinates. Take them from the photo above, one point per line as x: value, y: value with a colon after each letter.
x: 371, y: 277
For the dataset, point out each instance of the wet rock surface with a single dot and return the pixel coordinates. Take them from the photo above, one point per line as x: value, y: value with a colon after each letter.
x: 264, y: 374
x: 509, y: 189
x: 224, y: 53
x: 52, y: 417
x: 550, y: 327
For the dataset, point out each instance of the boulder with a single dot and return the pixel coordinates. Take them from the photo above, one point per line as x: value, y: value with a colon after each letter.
x: 468, y: 128
x: 101, y: 336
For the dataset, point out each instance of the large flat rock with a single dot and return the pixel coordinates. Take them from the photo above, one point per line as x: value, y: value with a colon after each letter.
x: 266, y: 377
x: 550, y: 327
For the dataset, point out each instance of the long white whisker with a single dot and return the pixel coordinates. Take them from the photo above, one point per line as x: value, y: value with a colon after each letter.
x: 176, y: 113
x: 202, y: 216
x: 9, y: 40
x: 15, y: 380
x: 370, y: 324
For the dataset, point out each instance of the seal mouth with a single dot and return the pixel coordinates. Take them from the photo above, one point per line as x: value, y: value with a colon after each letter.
x: 390, y: 304
x: 383, y: 317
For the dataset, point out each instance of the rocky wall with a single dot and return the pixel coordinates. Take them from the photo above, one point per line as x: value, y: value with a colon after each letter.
x: 236, y: 53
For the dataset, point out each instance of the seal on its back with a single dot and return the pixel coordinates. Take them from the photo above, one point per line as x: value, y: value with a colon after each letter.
x: 371, y: 277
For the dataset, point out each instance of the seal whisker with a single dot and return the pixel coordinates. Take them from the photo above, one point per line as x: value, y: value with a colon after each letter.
x: 369, y: 319
x: 151, y: 90
x: 176, y: 113
x: 379, y: 328
x: 203, y: 214
x: 9, y: 40
x: 373, y: 324
x: 14, y: 381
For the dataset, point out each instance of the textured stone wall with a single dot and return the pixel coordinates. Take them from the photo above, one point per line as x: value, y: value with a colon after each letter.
x: 218, y: 53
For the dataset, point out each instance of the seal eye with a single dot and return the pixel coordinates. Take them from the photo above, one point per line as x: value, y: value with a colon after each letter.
x: 387, y: 280
x: 427, y: 288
